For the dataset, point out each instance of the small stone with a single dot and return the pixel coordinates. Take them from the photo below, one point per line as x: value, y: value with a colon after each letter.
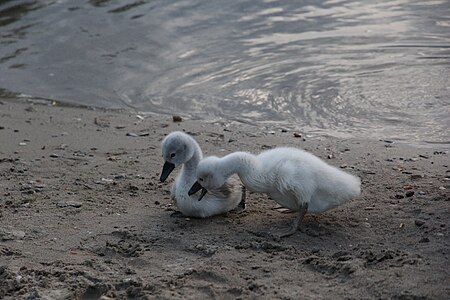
x: 424, y: 156
x: 132, y: 134
x: 409, y: 194
x: 424, y: 240
x: 440, y: 152
x: 157, y: 203
x: 2, y: 127
x: 343, y: 166
x: 12, y: 234
x: 133, y: 188
x: 315, y: 250
x: 330, y: 156
x: 22, y: 144
x: 419, y: 223
x: 399, y: 196
x: 408, y: 187
x: 71, y: 203
x: 442, y: 188
x: 340, y: 254
x: 177, y: 118
x: 297, y: 135
x: 54, y: 155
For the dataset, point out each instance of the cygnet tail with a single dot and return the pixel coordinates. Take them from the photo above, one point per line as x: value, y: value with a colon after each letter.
x: 349, y: 185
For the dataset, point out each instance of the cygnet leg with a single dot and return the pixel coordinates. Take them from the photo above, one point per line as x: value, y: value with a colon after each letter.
x: 296, y: 224
x: 242, y: 205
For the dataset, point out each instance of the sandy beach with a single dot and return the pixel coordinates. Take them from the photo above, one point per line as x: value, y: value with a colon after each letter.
x: 84, y: 216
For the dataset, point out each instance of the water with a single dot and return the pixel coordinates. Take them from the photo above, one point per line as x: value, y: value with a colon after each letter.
x: 376, y: 69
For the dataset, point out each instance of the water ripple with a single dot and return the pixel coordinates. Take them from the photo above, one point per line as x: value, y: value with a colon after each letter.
x: 342, y: 67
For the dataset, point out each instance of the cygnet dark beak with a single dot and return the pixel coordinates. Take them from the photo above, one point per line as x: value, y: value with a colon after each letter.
x: 195, y: 188
x: 167, y: 169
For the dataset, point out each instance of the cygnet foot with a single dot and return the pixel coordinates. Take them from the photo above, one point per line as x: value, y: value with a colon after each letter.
x: 177, y: 214
x: 296, y: 224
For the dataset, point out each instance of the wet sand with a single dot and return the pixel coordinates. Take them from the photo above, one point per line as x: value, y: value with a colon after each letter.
x: 84, y: 216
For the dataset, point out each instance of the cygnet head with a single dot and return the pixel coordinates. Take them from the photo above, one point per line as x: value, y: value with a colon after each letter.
x: 208, y: 175
x: 176, y: 148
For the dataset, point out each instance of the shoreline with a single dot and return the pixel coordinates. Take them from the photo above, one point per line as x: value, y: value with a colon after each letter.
x: 82, y: 214
x: 268, y: 126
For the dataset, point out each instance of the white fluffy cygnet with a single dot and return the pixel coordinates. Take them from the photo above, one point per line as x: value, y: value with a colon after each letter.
x: 294, y: 178
x: 179, y: 148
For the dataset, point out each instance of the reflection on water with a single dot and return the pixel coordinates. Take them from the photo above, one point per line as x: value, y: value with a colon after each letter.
x: 361, y: 68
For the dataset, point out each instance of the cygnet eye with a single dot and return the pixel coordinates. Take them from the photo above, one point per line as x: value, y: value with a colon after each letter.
x: 172, y: 155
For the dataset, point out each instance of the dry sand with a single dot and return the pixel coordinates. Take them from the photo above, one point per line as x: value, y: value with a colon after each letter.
x: 83, y: 216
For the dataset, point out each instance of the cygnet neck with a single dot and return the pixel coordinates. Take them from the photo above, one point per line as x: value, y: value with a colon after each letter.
x: 191, y: 164
x: 244, y: 164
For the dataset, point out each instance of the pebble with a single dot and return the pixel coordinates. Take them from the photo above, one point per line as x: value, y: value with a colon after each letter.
x: 177, y: 118
x: 297, y: 135
x: 315, y: 250
x: 54, y: 155
x: 399, y: 196
x: 409, y: 193
x: 12, y: 234
x: 440, y: 152
x: 132, y: 134
x: 419, y: 223
x: 71, y: 203
x: 424, y: 240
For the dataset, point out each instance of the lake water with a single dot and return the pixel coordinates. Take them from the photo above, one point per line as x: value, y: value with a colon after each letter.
x: 376, y: 69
